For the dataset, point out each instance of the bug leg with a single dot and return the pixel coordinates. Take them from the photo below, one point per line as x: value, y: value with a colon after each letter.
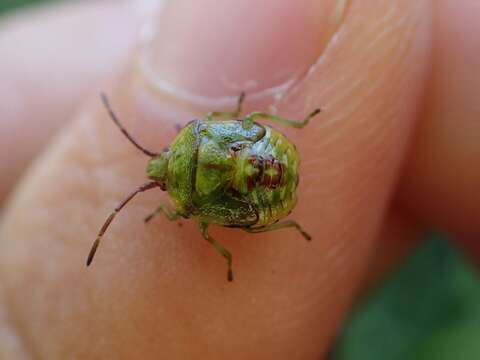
x: 219, y: 247
x: 110, y: 218
x: 280, y: 225
x: 225, y: 115
x: 240, y: 100
x: 171, y: 214
x: 251, y: 118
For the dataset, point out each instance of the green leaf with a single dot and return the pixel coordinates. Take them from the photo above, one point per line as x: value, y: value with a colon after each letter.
x: 6, y: 5
x: 428, y: 308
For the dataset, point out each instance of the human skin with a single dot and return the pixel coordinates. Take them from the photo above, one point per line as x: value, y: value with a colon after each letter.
x: 370, y: 184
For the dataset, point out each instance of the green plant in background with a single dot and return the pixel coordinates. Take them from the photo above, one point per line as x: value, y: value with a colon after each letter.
x: 428, y: 310
x: 11, y: 4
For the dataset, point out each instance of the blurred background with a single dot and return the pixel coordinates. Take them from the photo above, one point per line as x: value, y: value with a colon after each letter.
x: 427, y: 308
x: 6, y: 5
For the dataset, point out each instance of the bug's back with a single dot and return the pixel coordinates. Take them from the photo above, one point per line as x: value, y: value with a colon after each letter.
x: 182, y: 168
x: 215, y: 163
x: 274, y: 192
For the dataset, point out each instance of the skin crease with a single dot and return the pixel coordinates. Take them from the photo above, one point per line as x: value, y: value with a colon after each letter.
x: 161, y: 289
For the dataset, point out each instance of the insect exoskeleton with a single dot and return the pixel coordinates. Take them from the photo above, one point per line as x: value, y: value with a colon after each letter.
x: 223, y: 170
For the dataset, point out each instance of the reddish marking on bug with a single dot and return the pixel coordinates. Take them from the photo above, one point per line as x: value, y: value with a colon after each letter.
x: 270, y: 173
x: 252, y: 179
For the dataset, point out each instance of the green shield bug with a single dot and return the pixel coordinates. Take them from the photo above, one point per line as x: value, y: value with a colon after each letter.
x: 223, y: 170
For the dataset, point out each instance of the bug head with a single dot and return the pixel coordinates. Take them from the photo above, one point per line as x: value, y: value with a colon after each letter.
x: 157, y: 168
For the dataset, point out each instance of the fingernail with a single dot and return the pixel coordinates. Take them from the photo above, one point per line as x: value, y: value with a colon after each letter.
x: 212, y: 49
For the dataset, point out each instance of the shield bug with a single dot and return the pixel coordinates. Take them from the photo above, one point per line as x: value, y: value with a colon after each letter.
x: 223, y: 170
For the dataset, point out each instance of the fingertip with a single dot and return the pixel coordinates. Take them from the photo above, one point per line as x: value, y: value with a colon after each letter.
x: 208, y: 51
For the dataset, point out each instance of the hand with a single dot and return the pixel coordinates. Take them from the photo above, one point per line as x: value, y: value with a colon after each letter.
x: 161, y: 289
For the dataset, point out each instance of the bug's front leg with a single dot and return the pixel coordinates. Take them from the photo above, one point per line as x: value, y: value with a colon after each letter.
x: 251, y: 118
x: 170, y: 213
x: 226, y: 115
x: 280, y: 225
x: 219, y: 247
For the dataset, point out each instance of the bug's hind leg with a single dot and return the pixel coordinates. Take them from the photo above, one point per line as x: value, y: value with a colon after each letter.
x: 219, y: 247
x: 280, y: 225
x: 225, y: 115
x: 251, y: 118
x: 170, y: 213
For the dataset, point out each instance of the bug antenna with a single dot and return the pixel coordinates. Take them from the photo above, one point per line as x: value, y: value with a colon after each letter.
x: 112, y: 215
x: 115, y: 119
